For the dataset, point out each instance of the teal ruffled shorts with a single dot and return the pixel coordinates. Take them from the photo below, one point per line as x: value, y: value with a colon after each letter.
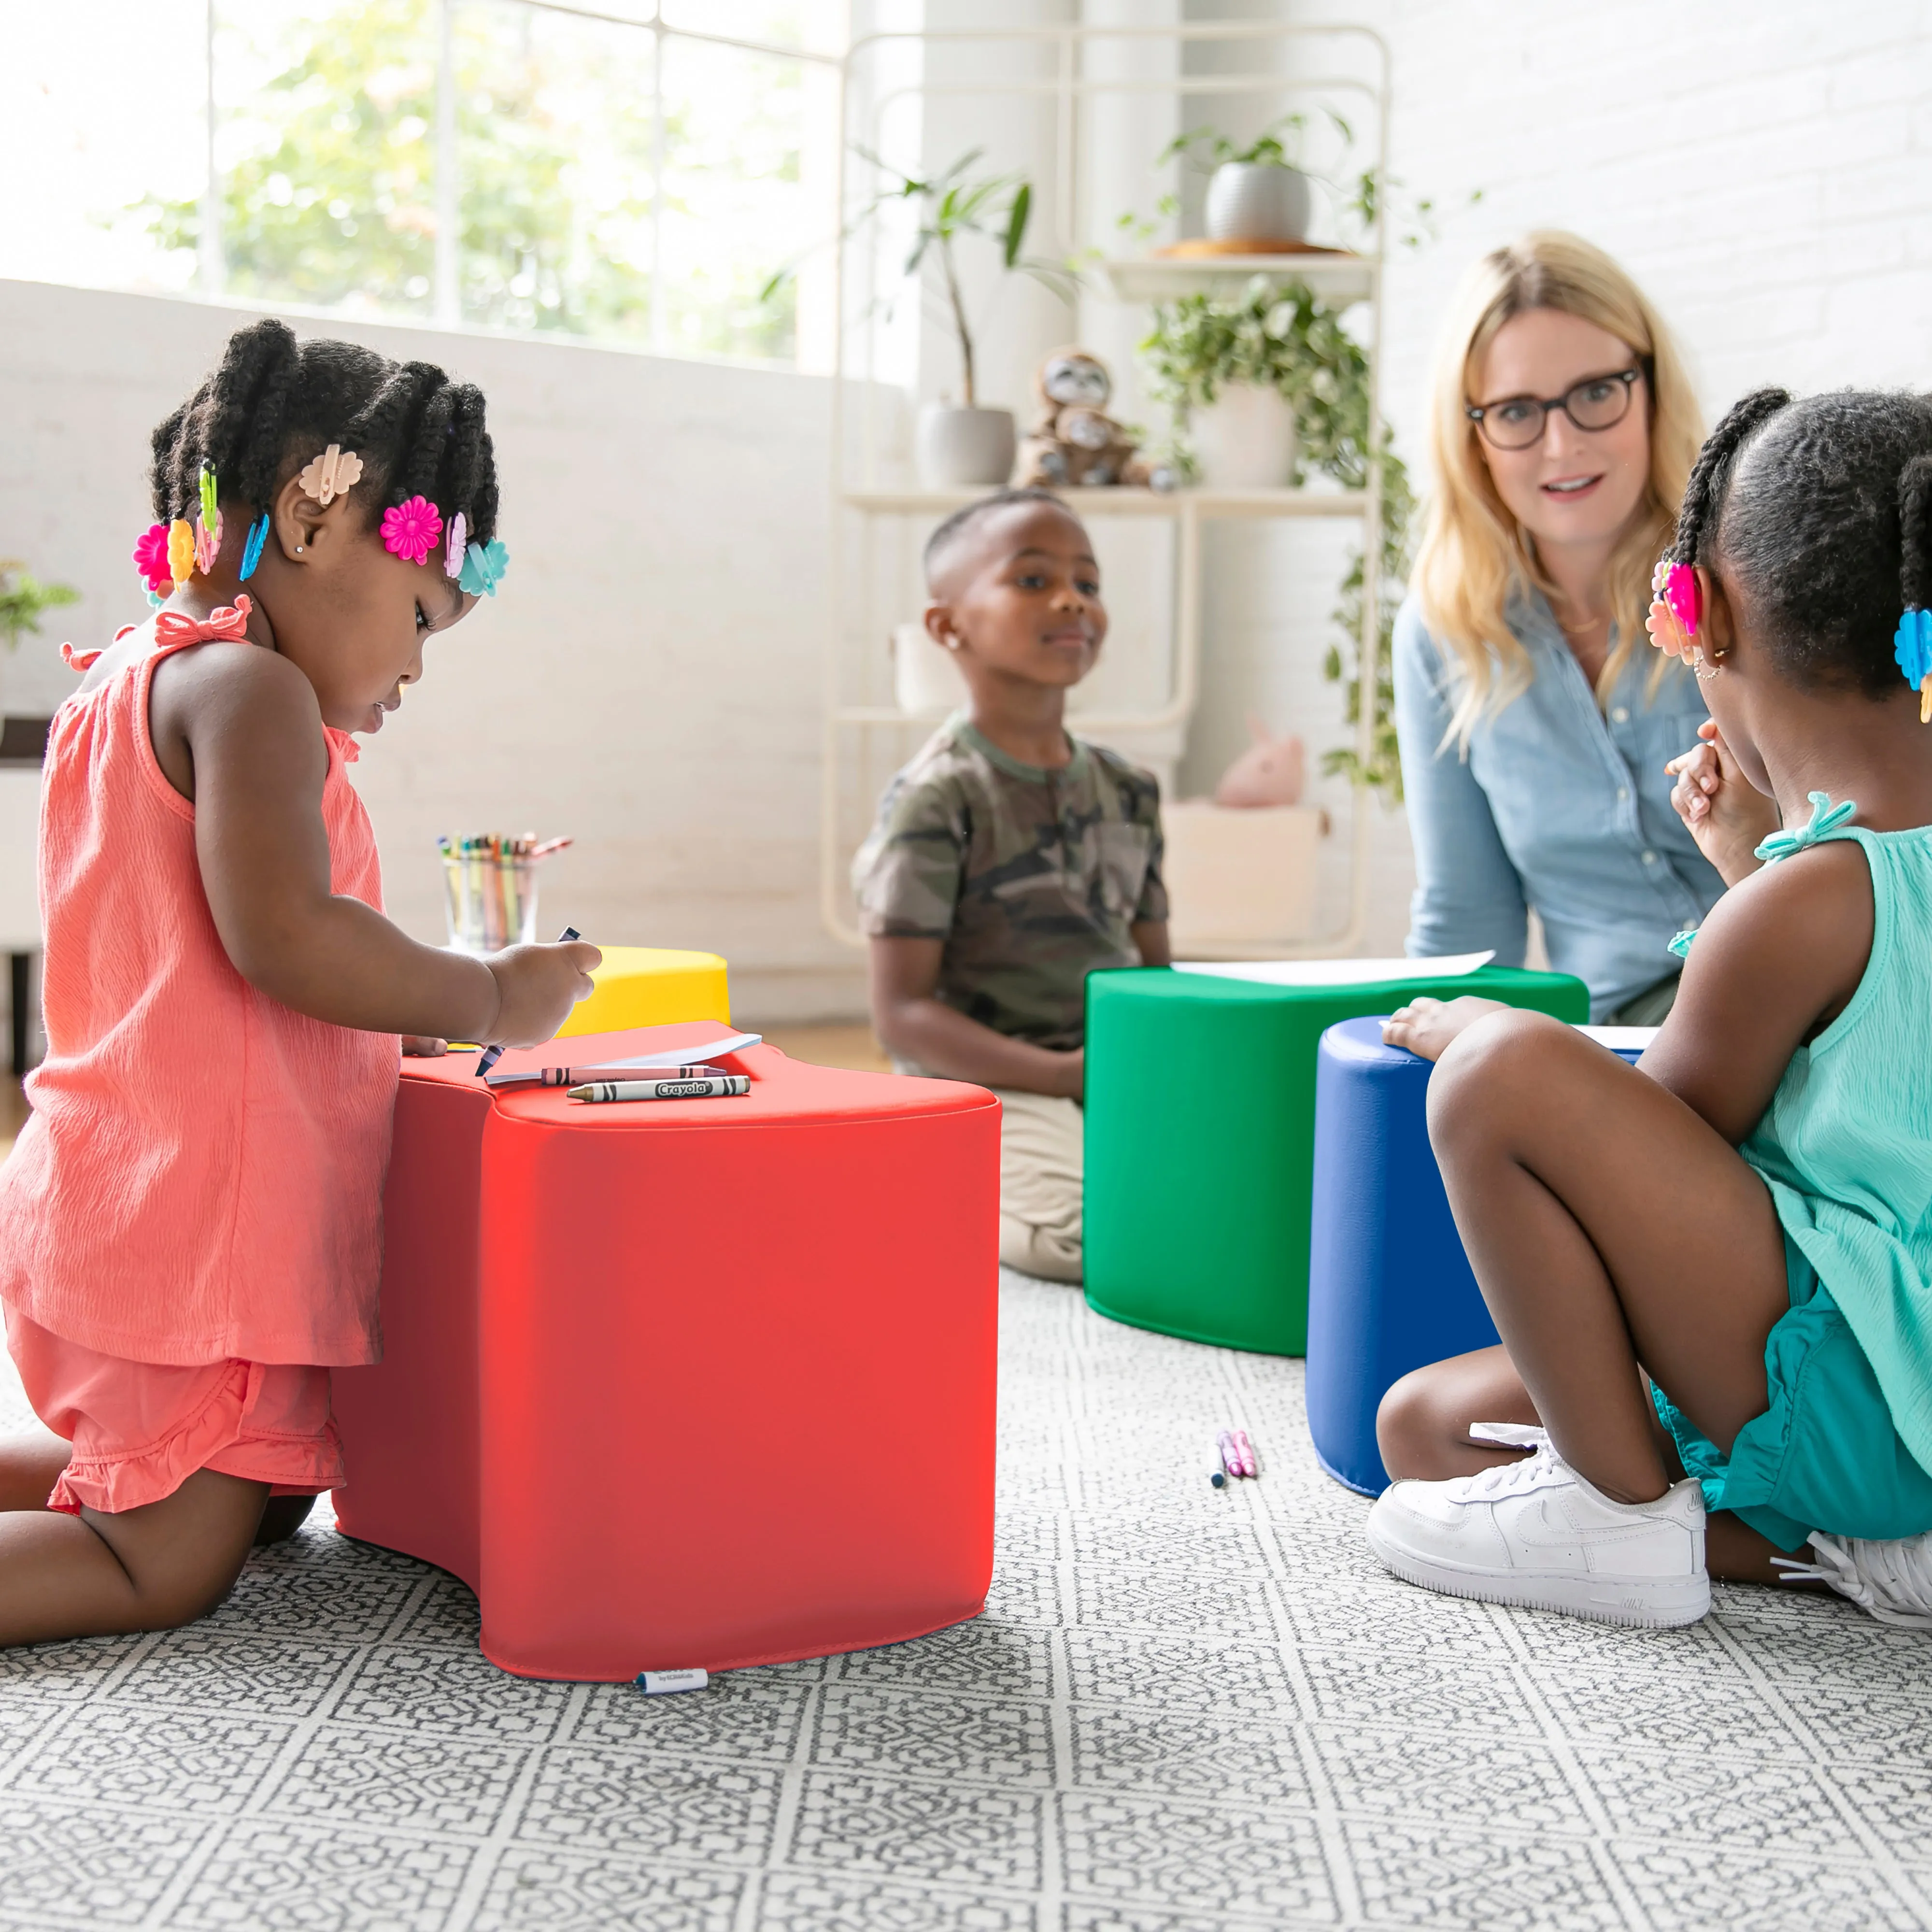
x: 1824, y: 1454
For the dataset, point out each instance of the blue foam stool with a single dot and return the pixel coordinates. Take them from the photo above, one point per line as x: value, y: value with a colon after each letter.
x: 1389, y: 1286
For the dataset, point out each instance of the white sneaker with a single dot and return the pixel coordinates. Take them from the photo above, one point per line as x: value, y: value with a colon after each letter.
x: 1535, y: 1534
x: 1890, y: 1581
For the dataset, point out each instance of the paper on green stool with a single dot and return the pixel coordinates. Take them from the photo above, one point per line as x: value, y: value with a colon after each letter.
x: 1200, y: 1141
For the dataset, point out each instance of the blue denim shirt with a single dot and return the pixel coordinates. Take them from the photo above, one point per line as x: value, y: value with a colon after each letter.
x: 1557, y: 806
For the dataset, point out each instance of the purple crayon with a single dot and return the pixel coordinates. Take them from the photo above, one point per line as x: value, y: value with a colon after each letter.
x: 491, y: 1054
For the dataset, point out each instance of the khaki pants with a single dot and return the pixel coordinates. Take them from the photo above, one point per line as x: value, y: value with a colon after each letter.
x: 1041, y: 1163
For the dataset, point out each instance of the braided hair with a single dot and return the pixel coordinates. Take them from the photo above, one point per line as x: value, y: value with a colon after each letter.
x: 274, y: 404
x: 1820, y: 510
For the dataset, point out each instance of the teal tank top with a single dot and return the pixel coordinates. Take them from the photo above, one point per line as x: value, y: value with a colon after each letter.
x: 1845, y: 1144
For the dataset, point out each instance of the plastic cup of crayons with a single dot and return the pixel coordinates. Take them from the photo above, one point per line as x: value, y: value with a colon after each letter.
x: 490, y: 889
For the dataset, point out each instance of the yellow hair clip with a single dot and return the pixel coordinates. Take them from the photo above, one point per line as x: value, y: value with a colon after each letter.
x: 181, y: 550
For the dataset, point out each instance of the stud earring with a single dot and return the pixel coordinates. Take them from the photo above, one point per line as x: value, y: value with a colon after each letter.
x: 298, y: 550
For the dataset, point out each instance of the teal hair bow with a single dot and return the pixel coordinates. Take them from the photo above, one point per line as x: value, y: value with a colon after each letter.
x: 1826, y: 818
x: 483, y: 568
x: 1681, y: 946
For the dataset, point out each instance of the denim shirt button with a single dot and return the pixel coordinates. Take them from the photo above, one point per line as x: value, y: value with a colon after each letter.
x: 1620, y: 715
x: 1623, y: 794
x: 1650, y: 858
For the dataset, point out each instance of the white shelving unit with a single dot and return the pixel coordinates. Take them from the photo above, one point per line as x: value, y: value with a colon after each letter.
x: 1341, y: 279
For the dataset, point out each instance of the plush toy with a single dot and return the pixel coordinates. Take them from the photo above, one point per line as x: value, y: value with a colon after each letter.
x: 1270, y: 772
x: 1073, y: 439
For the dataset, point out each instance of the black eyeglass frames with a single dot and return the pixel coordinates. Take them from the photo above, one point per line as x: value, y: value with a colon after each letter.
x: 1517, y: 422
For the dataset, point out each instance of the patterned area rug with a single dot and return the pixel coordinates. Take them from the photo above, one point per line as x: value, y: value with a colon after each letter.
x: 1182, y: 1710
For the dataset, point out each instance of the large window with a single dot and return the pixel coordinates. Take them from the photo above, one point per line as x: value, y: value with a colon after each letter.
x: 628, y: 170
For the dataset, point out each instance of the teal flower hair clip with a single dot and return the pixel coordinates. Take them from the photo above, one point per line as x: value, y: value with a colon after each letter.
x: 483, y: 568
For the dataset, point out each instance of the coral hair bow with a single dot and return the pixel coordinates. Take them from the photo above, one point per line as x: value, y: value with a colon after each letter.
x: 229, y: 624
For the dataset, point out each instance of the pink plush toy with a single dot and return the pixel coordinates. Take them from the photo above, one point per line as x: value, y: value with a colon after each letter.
x: 1270, y: 772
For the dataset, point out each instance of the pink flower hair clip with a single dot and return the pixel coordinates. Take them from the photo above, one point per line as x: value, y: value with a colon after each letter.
x: 151, y: 560
x: 1676, y: 614
x: 410, y: 529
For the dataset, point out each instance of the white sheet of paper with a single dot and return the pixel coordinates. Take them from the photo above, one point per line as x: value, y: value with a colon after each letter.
x: 689, y: 1056
x: 1615, y: 1037
x: 1337, y: 972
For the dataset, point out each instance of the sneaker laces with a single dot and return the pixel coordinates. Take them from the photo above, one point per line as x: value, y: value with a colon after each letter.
x: 1528, y: 1472
x: 1891, y: 1582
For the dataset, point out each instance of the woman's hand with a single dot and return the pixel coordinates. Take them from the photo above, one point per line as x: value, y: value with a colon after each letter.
x: 1426, y: 1026
x: 1727, y: 815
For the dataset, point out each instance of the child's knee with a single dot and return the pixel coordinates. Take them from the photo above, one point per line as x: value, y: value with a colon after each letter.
x: 1414, y: 1426
x: 1493, y: 1073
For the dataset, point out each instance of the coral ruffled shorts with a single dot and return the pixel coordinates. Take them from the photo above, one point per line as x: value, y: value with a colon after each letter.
x: 140, y: 1429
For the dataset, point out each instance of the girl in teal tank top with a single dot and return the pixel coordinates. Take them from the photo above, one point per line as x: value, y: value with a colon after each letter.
x: 1712, y: 1274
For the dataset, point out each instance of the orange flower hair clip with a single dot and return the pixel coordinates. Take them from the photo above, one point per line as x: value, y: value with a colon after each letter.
x: 332, y: 473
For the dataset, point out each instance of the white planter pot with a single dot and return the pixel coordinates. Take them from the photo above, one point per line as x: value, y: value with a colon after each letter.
x: 1245, y: 440
x: 1257, y: 201
x: 958, y: 447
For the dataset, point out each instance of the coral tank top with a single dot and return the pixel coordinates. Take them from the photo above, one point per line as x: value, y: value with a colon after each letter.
x: 201, y: 1177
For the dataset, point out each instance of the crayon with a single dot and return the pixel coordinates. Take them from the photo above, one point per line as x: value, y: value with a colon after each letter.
x: 1231, y: 1456
x: 714, y: 1086
x: 491, y: 1055
x: 1249, y: 1467
x: 577, y: 1076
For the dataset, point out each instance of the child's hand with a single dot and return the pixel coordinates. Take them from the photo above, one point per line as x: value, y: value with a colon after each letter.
x: 1426, y: 1026
x: 1727, y: 815
x: 537, y: 986
x: 420, y: 1046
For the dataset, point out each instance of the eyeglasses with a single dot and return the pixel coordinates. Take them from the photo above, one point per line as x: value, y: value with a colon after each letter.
x: 1517, y: 422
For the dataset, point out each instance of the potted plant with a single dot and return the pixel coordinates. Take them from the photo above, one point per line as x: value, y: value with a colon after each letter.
x: 1235, y: 370
x: 966, y: 443
x: 1257, y: 196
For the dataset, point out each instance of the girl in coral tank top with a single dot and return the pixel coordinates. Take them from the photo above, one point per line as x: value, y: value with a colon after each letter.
x: 190, y: 1222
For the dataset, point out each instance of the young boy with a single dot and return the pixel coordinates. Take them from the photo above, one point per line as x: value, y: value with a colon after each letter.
x: 1010, y: 860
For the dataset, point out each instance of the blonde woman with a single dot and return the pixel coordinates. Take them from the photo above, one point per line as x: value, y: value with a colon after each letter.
x: 1534, y: 730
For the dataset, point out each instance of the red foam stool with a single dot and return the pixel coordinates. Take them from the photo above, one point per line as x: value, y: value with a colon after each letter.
x: 699, y: 1382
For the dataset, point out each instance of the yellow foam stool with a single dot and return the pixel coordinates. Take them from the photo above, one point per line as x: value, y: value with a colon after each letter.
x: 651, y: 985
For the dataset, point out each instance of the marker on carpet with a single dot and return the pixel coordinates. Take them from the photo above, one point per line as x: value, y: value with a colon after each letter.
x: 667, y: 1683
x: 491, y: 1054
x: 1216, y: 1474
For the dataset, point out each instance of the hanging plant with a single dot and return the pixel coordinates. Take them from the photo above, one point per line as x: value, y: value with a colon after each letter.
x: 1281, y: 336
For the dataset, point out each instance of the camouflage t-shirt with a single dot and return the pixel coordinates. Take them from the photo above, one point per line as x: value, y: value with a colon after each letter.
x: 1031, y: 875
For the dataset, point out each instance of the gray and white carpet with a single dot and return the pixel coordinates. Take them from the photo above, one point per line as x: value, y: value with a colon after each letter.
x: 1182, y: 1710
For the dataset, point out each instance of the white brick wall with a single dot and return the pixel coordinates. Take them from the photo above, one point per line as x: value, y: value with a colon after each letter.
x: 648, y: 679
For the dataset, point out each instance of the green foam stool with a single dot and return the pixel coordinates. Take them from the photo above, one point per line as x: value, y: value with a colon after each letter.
x: 1201, y: 1140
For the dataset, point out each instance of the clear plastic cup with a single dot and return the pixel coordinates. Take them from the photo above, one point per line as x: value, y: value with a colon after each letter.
x: 489, y: 901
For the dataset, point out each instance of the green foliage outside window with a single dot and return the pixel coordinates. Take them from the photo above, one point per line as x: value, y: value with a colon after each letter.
x: 333, y: 201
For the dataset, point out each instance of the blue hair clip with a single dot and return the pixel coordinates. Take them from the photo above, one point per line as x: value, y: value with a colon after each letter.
x: 1912, y: 648
x: 251, y: 551
x: 483, y: 568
